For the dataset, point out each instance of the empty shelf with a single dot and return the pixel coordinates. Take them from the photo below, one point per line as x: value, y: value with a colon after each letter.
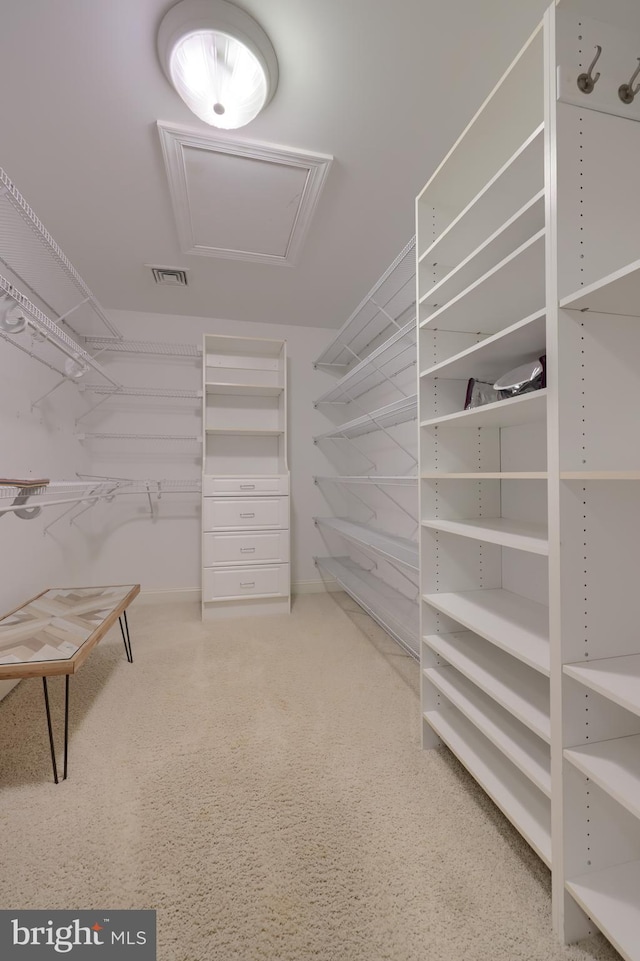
x: 502, y: 413
x: 527, y: 808
x: 486, y: 475
x: 617, y: 293
x: 524, y: 171
x: 517, y: 688
x: 517, y: 743
x: 614, y: 766
x: 399, y: 549
x: 610, y: 898
x: 504, y: 531
x: 252, y: 390
x: 513, y: 623
x: 396, y: 413
x: 513, y: 288
x: 269, y: 432
x: 517, y: 230
x: 394, y: 612
x: 617, y: 678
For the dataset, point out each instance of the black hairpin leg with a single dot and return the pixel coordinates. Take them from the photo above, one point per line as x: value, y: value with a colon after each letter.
x: 51, y: 744
x: 126, y: 637
x: 66, y: 724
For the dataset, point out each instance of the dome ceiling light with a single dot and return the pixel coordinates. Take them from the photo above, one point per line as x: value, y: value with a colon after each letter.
x: 220, y: 61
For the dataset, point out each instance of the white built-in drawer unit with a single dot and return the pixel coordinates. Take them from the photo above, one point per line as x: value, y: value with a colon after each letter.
x: 264, y: 547
x: 271, y: 484
x: 252, y: 513
x: 236, y: 582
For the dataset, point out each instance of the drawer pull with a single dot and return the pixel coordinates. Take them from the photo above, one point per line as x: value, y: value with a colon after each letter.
x: 247, y: 550
x: 248, y: 515
x: 247, y: 487
x: 247, y: 584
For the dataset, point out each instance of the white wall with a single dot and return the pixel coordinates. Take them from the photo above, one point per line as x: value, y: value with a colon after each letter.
x: 123, y: 542
x: 36, y: 443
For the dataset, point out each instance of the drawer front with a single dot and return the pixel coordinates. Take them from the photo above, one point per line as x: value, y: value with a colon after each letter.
x: 235, y: 582
x: 245, y: 486
x: 258, y: 546
x: 252, y: 513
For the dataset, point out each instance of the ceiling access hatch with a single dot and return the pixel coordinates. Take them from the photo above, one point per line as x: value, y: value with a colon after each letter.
x: 241, y: 200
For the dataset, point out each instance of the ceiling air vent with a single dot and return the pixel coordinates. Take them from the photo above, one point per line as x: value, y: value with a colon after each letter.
x: 170, y: 276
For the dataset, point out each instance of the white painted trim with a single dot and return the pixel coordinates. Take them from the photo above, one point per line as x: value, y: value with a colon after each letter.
x: 315, y: 587
x: 169, y: 596
x: 174, y: 139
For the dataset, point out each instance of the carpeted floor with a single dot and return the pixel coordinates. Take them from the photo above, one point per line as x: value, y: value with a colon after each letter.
x: 261, y: 784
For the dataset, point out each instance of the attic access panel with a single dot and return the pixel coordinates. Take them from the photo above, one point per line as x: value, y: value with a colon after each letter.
x: 240, y: 200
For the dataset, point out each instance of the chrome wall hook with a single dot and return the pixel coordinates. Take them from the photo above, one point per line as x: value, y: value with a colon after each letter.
x: 626, y: 91
x: 587, y: 81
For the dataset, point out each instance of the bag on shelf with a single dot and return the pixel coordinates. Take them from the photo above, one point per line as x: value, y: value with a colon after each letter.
x: 521, y: 380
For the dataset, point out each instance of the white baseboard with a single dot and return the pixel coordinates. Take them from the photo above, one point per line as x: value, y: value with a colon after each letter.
x: 192, y: 594
x: 314, y: 587
x: 169, y: 596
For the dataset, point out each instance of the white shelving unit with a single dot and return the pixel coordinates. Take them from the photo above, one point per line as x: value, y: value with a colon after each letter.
x: 530, y: 507
x: 245, y: 486
x: 373, y: 406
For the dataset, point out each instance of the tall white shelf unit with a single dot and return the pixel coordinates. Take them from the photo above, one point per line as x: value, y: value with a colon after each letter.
x: 530, y: 507
x: 245, y: 483
x: 373, y: 408
x: 528, y: 244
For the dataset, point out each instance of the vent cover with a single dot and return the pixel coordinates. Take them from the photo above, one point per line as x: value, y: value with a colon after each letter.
x: 170, y: 276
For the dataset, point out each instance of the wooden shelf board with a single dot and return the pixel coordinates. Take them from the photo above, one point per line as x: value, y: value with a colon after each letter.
x: 513, y: 623
x: 605, y: 475
x: 610, y: 898
x: 517, y: 688
x: 617, y: 678
x: 503, y: 531
x: 496, y: 354
x: 617, y: 293
x: 614, y: 766
x: 517, y: 743
x: 503, y: 413
x: 512, y: 288
x: 526, y: 807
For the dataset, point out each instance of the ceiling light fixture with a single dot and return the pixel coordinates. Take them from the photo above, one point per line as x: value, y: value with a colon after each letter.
x: 219, y: 59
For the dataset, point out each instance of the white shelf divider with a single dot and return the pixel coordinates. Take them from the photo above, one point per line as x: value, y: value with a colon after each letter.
x: 519, y: 745
x: 517, y: 230
x: 513, y: 288
x: 614, y: 766
x: 496, y: 354
x: 513, y: 623
x: 617, y: 293
x: 399, y: 549
x: 522, y: 173
x: 610, y: 898
x: 528, y: 809
x: 517, y: 688
x: 526, y: 409
x: 519, y: 535
x: 617, y: 678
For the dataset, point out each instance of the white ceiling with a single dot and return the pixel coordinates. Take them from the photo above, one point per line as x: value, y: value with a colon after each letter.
x: 385, y: 86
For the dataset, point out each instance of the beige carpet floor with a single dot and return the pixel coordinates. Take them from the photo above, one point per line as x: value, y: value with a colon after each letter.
x: 261, y: 784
